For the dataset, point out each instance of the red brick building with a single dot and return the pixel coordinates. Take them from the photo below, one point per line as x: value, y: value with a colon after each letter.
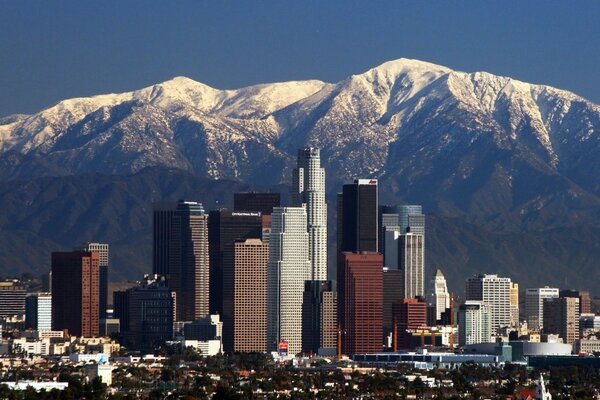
x: 407, y: 314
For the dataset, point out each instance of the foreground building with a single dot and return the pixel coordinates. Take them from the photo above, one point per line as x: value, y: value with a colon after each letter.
x: 474, y: 323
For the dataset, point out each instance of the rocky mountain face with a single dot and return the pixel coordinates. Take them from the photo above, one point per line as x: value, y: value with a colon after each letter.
x: 488, y: 152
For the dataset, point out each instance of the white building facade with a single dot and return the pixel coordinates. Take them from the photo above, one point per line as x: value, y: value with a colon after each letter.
x: 308, y: 182
x: 288, y: 268
x: 474, y: 323
x: 534, y: 306
x: 495, y: 292
x: 439, y: 297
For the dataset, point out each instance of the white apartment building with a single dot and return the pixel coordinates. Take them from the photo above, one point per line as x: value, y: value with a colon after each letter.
x: 534, y: 306
x: 288, y: 268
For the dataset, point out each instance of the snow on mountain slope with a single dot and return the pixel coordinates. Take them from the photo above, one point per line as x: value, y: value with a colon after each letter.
x: 425, y: 129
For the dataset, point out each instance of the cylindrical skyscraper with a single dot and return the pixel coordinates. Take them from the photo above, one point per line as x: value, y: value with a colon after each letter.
x: 308, y: 181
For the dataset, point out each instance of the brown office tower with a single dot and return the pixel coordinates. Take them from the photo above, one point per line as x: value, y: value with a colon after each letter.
x: 180, y: 252
x: 76, y: 292
x: 407, y: 315
x: 392, y: 291
x: 360, y: 304
x: 12, y: 299
x: 247, y: 330
x: 257, y: 202
x: 319, y: 318
x: 561, y: 317
x: 585, y: 303
x: 225, y: 228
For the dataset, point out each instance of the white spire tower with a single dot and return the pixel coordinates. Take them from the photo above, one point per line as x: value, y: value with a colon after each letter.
x: 308, y: 181
x: 438, y: 294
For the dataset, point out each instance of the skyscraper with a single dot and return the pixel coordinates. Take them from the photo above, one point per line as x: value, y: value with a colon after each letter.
x: 181, y: 253
x: 12, y: 298
x: 411, y: 219
x: 225, y: 228
x: 534, y: 306
x: 495, y: 292
x: 411, y: 255
x: 474, y: 323
x: 561, y: 316
x: 357, y: 230
x: 360, y: 303
x: 289, y: 267
x: 585, y: 303
x: 392, y: 291
x: 38, y: 311
x: 103, y: 250
x: 308, y: 182
x: 257, y: 202
x: 319, y: 310
x: 250, y: 297
x: 76, y: 292
x: 514, y: 304
x: 439, y: 297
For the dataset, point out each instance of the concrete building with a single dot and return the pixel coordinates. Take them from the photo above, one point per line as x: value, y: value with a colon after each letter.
x: 514, y: 304
x: 439, y: 297
x: 76, y: 292
x: 288, y: 268
x: 319, y: 318
x: 411, y: 257
x: 38, y: 311
x: 534, y: 306
x: 561, y: 317
x: 180, y: 252
x: 103, y: 250
x: 12, y: 298
x: 360, y: 303
x: 474, y: 323
x: 495, y: 292
x: 101, y: 371
x: 206, y: 331
x: 585, y: 302
x: 250, y: 297
x: 308, y: 187
x: 256, y: 202
x: 407, y: 315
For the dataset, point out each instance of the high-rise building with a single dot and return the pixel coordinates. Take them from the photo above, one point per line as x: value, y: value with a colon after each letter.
x: 289, y: 267
x: 360, y: 302
x: 38, y: 311
x: 357, y: 212
x: 250, y: 297
x: 534, y: 306
x: 319, y: 322
x: 12, y: 299
x: 514, y: 304
x: 561, y: 317
x: 76, y: 292
x: 439, y: 297
x: 407, y: 314
x: 308, y: 182
x: 392, y: 291
x: 180, y: 252
x: 146, y: 313
x: 495, y: 292
x: 225, y: 229
x: 585, y: 302
x: 256, y: 202
x: 103, y: 250
x: 474, y: 323
x: 411, y: 219
x: 411, y: 257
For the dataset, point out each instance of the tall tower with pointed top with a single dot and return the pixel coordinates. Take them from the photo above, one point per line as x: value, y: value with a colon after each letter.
x: 438, y: 294
x: 308, y: 181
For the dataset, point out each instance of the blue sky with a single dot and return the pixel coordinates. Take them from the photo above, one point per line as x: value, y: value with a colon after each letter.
x: 50, y: 50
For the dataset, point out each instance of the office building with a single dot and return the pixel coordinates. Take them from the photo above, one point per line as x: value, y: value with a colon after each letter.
x: 12, y: 299
x: 146, y: 313
x: 76, y: 292
x: 534, y: 306
x: 250, y: 297
x: 495, y: 292
x: 514, y: 304
x: 225, y: 229
x: 288, y: 268
x: 411, y: 219
x: 319, y: 318
x: 109, y: 326
x: 561, y: 317
x: 408, y: 315
x: 360, y: 303
x: 474, y: 323
x: 180, y: 252
x: 411, y: 257
x: 392, y: 291
x: 585, y: 302
x: 388, y: 217
x: 439, y: 297
x: 256, y: 202
x: 103, y: 250
x: 204, y: 329
x: 38, y: 311
x: 357, y: 212
x: 308, y: 187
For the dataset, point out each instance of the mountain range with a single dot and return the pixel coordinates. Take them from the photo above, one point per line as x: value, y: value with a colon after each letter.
x: 506, y: 169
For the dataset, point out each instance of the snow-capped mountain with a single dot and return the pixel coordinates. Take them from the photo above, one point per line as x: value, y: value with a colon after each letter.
x: 455, y: 141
